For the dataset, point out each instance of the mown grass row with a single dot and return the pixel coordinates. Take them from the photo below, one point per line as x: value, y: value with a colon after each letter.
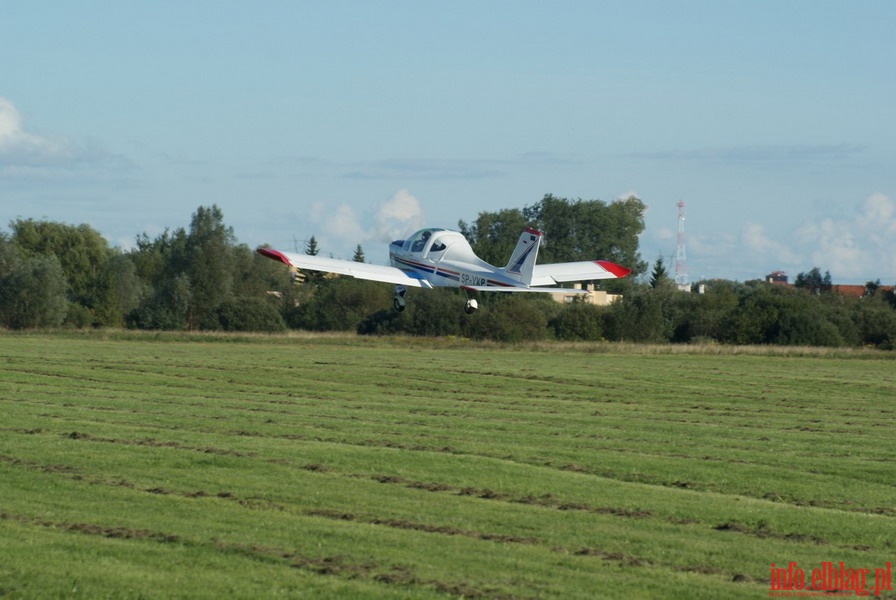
x: 183, y: 466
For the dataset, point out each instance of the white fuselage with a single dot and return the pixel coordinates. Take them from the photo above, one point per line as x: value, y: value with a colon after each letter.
x: 445, y: 258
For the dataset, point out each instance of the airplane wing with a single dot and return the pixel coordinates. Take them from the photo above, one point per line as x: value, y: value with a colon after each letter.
x: 511, y: 288
x: 346, y: 267
x: 586, y: 270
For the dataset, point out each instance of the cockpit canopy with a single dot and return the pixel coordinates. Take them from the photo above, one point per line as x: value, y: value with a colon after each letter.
x: 436, y: 243
x: 417, y: 242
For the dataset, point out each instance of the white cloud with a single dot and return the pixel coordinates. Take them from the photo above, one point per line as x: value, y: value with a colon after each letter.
x: 25, y: 154
x: 18, y: 147
x: 340, y: 222
x: 754, y: 238
x: 341, y: 227
x: 858, y: 248
x: 833, y: 247
x: 854, y: 248
x: 710, y: 244
x: 397, y: 216
x: 877, y: 215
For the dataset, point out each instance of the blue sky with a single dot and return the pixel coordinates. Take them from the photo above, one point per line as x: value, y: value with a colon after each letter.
x: 358, y: 121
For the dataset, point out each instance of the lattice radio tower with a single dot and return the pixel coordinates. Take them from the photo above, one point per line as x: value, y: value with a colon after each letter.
x: 681, y: 264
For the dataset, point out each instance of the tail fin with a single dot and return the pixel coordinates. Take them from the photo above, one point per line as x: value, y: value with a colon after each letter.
x: 522, y: 261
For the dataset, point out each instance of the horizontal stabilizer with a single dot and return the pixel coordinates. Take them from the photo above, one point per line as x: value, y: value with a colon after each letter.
x: 586, y: 270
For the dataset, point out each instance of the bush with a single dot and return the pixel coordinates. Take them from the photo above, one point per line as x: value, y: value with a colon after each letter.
x: 578, y: 321
x: 437, y: 312
x: 250, y: 314
x: 514, y: 319
x: 340, y: 304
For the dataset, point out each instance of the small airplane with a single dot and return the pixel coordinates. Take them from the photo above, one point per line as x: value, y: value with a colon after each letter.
x: 436, y: 257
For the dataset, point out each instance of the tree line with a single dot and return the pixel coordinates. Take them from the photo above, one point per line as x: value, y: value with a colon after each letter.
x: 54, y: 274
x: 200, y: 278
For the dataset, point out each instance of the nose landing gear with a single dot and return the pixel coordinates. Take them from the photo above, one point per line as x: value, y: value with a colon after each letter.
x: 471, y: 306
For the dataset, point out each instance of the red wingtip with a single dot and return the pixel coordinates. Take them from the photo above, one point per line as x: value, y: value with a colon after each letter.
x: 273, y: 255
x: 613, y: 268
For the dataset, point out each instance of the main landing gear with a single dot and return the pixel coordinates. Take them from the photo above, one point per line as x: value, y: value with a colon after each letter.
x: 399, y: 303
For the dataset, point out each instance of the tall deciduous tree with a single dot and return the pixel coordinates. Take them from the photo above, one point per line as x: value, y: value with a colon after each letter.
x: 82, y: 254
x: 33, y: 295
x: 494, y: 235
x: 574, y: 230
x: 210, y: 249
x: 590, y: 229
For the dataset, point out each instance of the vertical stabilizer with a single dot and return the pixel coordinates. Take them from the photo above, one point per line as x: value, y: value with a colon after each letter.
x: 522, y: 261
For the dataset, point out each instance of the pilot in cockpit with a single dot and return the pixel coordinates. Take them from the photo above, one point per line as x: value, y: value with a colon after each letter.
x: 420, y: 243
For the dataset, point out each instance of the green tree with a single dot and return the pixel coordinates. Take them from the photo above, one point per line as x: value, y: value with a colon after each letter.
x: 875, y: 322
x: 160, y: 259
x: 118, y: 290
x: 359, y: 254
x: 771, y: 314
x: 161, y: 265
x: 813, y: 281
x: 493, y: 236
x: 82, y: 253
x: 9, y: 255
x: 189, y: 275
x: 210, y: 251
x: 573, y: 230
x: 250, y: 314
x: 710, y: 310
x: 586, y: 230
x: 33, y: 294
x: 339, y: 303
x: 578, y: 321
x: 640, y: 317
x: 871, y: 288
x: 435, y: 312
x: 515, y: 318
x: 659, y: 276
x: 194, y: 279
x: 311, y: 247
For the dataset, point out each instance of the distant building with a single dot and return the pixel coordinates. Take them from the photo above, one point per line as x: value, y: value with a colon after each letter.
x: 859, y: 291
x: 777, y: 277
x: 595, y: 297
x: 853, y: 291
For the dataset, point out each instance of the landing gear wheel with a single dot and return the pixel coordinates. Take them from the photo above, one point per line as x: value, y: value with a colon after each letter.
x: 471, y: 306
x: 398, y: 300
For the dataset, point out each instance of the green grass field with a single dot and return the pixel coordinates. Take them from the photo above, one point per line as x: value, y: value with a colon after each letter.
x: 178, y: 466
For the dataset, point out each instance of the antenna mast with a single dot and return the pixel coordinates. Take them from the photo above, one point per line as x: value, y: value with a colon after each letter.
x: 681, y: 265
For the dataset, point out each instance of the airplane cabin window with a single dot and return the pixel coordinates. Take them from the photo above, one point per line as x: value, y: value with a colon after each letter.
x: 417, y: 242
